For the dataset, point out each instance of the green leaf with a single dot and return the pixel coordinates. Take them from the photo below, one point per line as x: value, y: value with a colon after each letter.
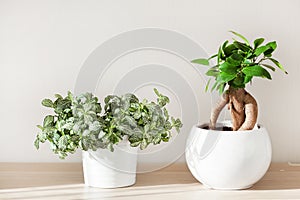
x: 62, y: 155
x: 242, y: 46
x: 212, y: 72
x: 207, y: 85
x: 161, y: 100
x: 47, y: 103
x: 40, y: 127
x: 229, y: 50
x: 278, y: 64
x: 269, y: 66
x: 58, y: 96
x: 61, y: 105
x: 240, y: 36
x: 135, y: 144
x: 221, y: 87
x: 155, y: 91
x: 260, y: 50
x: 235, y: 59
x: 95, y: 126
x: 247, y: 79
x: 56, y: 137
x: 37, y: 143
x: 157, y: 140
x: 213, y: 56
x: 224, y: 45
x: 177, y: 124
x: 272, y: 45
x: 214, y: 86
x: 42, y: 137
x: 48, y: 121
x: 256, y: 70
x: 220, y: 55
x: 166, y: 113
x: 258, y: 42
x: 228, y: 68
x: 225, y: 77
x: 238, y: 82
x: 201, y: 61
x: 110, y: 147
x: 165, y: 139
x: 62, y: 142
x: 70, y: 96
x: 143, y: 144
x: 68, y: 126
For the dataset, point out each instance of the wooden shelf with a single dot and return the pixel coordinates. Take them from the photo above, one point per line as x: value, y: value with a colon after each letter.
x: 65, y: 181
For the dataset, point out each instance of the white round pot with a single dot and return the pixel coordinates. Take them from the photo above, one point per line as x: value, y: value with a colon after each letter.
x: 106, y: 169
x: 228, y: 159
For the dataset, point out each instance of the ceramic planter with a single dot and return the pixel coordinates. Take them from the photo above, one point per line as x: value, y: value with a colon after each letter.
x: 227, y: 159
x: 106, y: 169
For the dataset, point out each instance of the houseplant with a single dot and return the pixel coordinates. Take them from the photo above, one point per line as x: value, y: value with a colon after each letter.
x: 233, y: 154
x: 108, y: 136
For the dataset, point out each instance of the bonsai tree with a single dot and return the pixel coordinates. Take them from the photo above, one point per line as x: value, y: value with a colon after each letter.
x: 237, y: 63
x: 78, y: 122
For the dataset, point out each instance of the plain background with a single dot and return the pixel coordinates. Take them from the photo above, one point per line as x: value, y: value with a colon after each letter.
x: 44, y: 43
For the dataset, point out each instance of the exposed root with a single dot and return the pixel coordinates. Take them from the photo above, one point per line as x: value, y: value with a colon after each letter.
x: 242, y: 106
x: 217, y: 109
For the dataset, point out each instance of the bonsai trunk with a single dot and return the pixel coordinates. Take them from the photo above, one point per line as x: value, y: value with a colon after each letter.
x: 242, y: 106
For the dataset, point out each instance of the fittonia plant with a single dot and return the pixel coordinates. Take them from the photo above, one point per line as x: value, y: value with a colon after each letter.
x: 80, y: 122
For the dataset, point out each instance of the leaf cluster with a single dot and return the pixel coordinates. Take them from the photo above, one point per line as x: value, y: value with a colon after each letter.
x: 58, y: 128
x: 239, y: 61
x: 80, y: 122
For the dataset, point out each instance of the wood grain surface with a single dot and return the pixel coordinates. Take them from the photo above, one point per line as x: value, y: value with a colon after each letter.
x: 65, y: 181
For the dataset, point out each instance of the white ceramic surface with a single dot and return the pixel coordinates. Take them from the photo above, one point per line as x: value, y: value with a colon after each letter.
x: 227, y: 159
x: 105, y: 169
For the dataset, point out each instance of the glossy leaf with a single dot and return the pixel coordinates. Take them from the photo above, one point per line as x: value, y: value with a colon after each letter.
x: 228, y: 68
x: 269, y: 67
x: 213, y: 56
x: 240, y: 36
x: 238, y: 82
x: 256, y: 70
x: 278, y: 64
x: 242, y: 46
x: 260, y: 50
x: 214, y: 86
x: 220, y: 55
x: 207, y: 85
x: 258, y: 42
x: 225, y: 77
x: 229, y: 50
x: 221, y: 88
x: 201, y: 61
x: 224, y: 45
x: 272, y: 46
x: 212, y: 72
x: 235, y: 59
x: 238, y: 62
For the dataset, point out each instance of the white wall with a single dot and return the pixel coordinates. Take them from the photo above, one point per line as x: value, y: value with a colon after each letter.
x: 44, y: 43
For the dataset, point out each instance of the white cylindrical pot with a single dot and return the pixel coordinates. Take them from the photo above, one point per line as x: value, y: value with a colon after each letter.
x: 106, y: 169
x: 228, y: 159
